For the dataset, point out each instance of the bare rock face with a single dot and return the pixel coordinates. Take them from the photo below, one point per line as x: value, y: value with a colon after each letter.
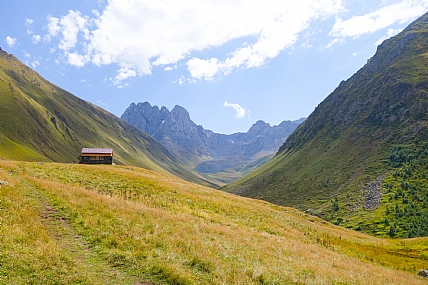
x: 373, y: 194
x: 423, y: 273
x: 210, y: 152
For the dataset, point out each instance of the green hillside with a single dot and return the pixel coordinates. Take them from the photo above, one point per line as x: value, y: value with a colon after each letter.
x: 42, y: 122
x: 98, y: 224
x: 337, y: 164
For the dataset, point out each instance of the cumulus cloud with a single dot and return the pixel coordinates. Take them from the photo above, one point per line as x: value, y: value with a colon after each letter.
x: 53, y: 26
x: 77, y: 59
x: 28, y: 22
x: 139, y: 34
x: 36, y: 39
x: 205, y: 69
x: 146, y: 33
x: 169, y: 68
x: 400, y: 12
x: 124, y: 73
x: 11, y: 42
x: 240, y: 112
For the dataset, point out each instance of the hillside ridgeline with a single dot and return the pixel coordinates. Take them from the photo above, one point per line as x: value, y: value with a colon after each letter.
x: 359, y: 160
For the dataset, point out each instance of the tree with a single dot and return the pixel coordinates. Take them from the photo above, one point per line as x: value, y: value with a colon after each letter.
x: 392, y: 231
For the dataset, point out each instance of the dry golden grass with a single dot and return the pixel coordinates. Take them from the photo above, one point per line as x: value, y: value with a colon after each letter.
x: 141, y: 226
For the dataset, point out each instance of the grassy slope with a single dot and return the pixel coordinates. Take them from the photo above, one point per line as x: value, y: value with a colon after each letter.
x: 42, y: 122
x: 345, y: 143
x: 64, y: 223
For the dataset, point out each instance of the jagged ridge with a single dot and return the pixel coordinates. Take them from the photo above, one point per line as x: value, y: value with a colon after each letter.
x: 209, y: 152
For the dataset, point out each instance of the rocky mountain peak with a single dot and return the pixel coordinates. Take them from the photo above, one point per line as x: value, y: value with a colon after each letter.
x: 192, y: 143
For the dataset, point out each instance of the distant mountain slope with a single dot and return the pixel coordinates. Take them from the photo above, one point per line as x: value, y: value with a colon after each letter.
x: 42, y: 122
x: 205, y: 150
x: 337, y: 162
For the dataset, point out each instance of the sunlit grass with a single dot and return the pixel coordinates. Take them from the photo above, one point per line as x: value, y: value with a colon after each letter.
x: 151, y: 227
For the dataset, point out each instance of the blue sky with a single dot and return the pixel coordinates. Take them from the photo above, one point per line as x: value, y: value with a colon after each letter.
x: 229, y: 63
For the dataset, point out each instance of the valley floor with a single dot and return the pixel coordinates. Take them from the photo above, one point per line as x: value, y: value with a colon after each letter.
x: 80, y: 224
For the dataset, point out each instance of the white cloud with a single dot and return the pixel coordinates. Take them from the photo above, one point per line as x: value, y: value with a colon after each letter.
x: 28, y: 22
x: 122, y: 74
x: 400, y: 12
x: 36, y: 39
x: 11, y: 42
x: 96, y: 13
x: 35, y: 63
x: 240, y: 112
x: 77, y: 59
x: 140, y: 34
x: 205, y: 69
x: 69, y: 26
x: 334, y: 41
x: 26, y: 54
x: 53, y: 27
x: 276, y: 27
x: 169, y: 68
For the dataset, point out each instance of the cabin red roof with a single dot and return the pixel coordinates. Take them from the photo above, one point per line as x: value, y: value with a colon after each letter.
x: 97, y: 150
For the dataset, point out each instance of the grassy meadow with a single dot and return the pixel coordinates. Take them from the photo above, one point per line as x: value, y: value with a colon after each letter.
x: 92, y: 224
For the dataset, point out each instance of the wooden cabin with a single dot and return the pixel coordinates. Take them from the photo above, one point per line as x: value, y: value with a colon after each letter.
x: 96, y: 156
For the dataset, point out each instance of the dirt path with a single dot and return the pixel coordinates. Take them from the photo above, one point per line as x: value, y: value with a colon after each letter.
x: 77, y: 248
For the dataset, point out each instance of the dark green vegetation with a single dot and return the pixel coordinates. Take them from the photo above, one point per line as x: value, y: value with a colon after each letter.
x: 333, y: 165
x: 405, y: 199
x: 42, y: 122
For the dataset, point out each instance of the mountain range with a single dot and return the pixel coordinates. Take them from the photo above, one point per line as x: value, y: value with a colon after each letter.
x: 205, y: 151
x: 359, y: 159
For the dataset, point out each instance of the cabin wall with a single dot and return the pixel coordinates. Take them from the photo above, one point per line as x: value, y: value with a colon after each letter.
x: 86, y: 159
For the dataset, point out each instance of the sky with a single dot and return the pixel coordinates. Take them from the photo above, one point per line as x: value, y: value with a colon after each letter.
x: 230, y: 63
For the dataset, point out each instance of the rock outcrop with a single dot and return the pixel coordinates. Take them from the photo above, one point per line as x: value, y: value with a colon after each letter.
x: 207, y: 151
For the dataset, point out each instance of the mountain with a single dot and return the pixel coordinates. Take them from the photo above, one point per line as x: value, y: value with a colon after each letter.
x: 206, y: 151
x: 42, y: 122
x: 359, y: 159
